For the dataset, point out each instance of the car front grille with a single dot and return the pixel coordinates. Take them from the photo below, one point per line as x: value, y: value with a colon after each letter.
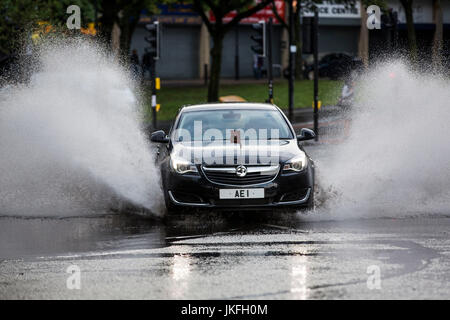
x: 228, y: 176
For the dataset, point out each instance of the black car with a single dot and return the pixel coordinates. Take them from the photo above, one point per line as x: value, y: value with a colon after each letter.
x: 333, y: 66
x: 234, y: 156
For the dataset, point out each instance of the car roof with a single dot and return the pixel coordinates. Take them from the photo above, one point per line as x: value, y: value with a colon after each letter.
x: 228, y: 105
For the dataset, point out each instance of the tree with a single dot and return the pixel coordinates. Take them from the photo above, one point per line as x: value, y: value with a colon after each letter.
x: 298, y: 41
x: 298, y: 7
x: 217, y: 30
x: 125, y: 14
x: 297, y: 34
x: 412, y: 42
x: 128, y: 21
x: 363, y: 43
x: 19, y: 17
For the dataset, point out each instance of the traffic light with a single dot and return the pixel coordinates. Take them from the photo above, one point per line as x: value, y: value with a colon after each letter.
x: 153, y: 39
x: 260, y: 38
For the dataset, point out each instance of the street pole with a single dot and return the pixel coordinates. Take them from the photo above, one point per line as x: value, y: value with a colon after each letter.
x: 316, y: 71
x: 292, y: 50
x: 153, y: 40
x: 153, y: 84
x: 269, y: 60
x: 236, y: 54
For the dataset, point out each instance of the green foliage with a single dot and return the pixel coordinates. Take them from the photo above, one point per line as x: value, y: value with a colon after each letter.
x: 381, y: 3
x: 172, y: 98
x: 19, y: 17
x: 126, y: 14
x: 55, y: 11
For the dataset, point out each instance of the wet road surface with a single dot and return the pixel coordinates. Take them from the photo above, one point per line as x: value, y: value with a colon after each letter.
x: 217, y: 256
x: 225, y: 258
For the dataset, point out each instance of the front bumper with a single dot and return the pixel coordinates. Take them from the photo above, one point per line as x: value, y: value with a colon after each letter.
x: 196, y: 191
x: 301, y: 201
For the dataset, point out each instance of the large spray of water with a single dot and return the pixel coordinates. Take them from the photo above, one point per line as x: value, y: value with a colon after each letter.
x: 71, y: 139
x: 70, y: 142
x: 396, y: 161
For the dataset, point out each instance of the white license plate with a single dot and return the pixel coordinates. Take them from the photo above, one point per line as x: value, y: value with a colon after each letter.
x: 241, y: 193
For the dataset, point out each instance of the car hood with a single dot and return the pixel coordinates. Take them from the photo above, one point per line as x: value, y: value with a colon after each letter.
x: 226, y: 153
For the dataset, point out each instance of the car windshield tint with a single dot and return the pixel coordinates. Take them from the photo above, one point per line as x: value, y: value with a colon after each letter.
x: 255, y: 124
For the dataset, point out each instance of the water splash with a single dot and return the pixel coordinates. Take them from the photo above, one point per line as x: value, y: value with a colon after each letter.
x: 71, y: 140
x: 396, y: 161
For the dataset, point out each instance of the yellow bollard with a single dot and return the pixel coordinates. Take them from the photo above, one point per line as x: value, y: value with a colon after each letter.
x: 319, y: 104
x: 157, y: 83
x: 231, y: 99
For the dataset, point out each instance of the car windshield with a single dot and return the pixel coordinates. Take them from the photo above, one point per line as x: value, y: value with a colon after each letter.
x: 223, y: 124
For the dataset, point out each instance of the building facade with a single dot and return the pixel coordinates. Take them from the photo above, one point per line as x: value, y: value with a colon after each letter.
x: 186, y: 43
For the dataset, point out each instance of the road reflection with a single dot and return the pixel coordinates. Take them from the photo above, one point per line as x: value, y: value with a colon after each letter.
x: 32, y: 237
x: 299, y: 277
x: 180, y: 270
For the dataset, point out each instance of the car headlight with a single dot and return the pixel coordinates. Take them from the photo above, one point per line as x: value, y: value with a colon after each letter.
x: 298, y: 163
x: 182, y: 166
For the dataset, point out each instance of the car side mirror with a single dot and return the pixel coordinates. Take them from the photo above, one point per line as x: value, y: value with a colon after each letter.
x: 159, y: 136
x: 306, y: 134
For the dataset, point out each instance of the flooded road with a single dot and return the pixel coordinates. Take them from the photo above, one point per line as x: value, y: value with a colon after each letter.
x: 225, y: 258
x: 328, y: 254
x: 381, y: 228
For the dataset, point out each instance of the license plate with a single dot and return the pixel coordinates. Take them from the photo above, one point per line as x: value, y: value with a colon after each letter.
x: 241, y: 193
